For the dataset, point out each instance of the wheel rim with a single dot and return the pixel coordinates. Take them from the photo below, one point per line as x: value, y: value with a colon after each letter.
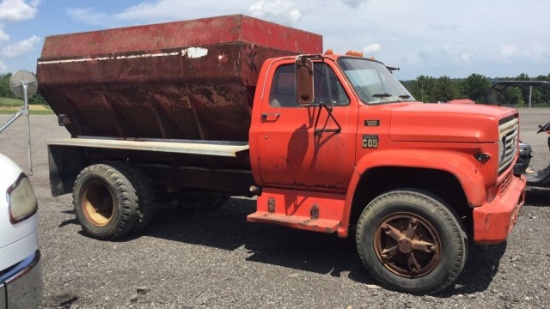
x: 98, y: 203
x: 407, y: 245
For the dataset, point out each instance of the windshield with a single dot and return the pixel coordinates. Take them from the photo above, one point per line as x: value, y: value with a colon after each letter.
x: 373, y: 82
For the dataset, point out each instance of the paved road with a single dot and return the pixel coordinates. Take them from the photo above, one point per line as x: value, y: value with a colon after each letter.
x: 217, y: 260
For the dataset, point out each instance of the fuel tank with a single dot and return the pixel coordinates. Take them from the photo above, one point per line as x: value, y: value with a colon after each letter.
x: 190, y: 79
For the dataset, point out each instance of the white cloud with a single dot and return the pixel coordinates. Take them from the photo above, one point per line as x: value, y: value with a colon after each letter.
x: 354, y: 3
x: 16, y: 10
x: 4, y: 37
x: 13, y: 11
x: 165, y: 10
x: 372, y: 49
x: 442, y: 26
x: 508, y: 50
x: 283, y: 11
x: 90, y: 17
x: 19, y: 48
x: 426, y: 37
x: 156, y: 11
x: 466, y: 56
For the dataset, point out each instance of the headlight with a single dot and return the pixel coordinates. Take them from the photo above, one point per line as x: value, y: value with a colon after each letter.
x: 21, y: 199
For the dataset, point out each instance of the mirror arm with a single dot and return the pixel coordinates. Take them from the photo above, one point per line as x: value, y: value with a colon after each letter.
x: 320, y: 131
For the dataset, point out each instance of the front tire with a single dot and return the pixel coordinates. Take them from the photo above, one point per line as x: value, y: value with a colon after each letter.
x: 410, y: 241
x: 105, y: 202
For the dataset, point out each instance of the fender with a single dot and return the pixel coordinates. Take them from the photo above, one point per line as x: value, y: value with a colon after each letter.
x: 461, y: 165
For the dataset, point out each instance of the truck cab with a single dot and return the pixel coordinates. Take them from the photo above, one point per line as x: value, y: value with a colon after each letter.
x: 361, y: 151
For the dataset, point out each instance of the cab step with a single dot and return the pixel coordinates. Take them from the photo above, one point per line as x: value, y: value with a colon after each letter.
x: 298, y: 222
x: 305, y: 210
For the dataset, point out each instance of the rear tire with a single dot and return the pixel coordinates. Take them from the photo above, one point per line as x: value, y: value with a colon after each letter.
x: 105, y: 201
x: 410, y: 241
x: 146, y: 199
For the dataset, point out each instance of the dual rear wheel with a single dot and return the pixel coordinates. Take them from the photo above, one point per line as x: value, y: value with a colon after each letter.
x: 114, y: 199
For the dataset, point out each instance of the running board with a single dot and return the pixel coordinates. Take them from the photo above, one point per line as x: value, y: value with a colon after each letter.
x: 303, y: 223
x: 305, y: 210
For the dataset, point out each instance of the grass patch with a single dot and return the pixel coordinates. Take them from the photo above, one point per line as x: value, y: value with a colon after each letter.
x: 11, y: 106
x: 11, y: 102
x: 31, y: 112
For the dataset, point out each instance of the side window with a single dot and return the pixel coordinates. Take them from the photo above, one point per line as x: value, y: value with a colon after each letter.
x: 328, y: 88
x: 283, y: 90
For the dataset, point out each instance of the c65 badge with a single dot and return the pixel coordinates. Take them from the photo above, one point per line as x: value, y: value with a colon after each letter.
x: 370, y: 141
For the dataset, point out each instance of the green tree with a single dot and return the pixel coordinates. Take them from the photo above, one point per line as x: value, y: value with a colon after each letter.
x: 460, y: 90
x: 421, y: 88
x: 476, y: 87
x: 524, y: 90
x: 5, y: 90
x: 541, y: 95
x: 444, y: 89
x: 513, y: 97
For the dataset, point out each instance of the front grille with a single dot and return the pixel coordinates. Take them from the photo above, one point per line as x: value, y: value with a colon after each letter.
x: 508, y: 144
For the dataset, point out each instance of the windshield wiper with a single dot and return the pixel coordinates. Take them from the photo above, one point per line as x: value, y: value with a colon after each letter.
x: 387, y: 95
x: 381, y: 95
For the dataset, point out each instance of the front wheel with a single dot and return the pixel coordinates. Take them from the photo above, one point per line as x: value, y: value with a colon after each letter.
x: 410, y: 241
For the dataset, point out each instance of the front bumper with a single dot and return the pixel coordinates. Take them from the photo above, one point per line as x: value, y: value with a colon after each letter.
x: 494, y: 221
x: 21, y: 286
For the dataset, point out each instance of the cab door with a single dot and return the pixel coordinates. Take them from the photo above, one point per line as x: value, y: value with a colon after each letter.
x: 307, y: 147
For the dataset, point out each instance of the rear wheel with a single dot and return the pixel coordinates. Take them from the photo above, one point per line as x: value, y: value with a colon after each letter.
x: 410, y: 241
x: 145, y: 197
x: 106, y: 200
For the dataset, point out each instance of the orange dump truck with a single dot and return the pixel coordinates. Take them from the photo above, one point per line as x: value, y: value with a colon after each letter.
x: 197, y: 111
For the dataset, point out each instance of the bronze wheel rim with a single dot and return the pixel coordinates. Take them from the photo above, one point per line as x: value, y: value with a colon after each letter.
x: 407, y: 245
x: 98, y: 204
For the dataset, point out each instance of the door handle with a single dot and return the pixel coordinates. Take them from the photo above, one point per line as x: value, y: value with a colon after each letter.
x: 270, y: 116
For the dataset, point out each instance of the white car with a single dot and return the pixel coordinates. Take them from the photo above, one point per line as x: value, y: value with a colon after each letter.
x: 20, y: 259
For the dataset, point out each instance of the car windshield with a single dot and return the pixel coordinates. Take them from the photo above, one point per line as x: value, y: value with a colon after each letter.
x: 373, y: 82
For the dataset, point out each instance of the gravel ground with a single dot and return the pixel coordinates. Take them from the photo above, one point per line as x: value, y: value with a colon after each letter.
x: 187, y: 259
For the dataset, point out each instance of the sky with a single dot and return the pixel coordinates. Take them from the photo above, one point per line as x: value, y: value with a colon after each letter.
x: 494, y: 38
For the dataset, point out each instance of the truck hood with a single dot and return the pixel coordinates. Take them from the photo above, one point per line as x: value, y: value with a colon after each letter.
x: 471, y: 123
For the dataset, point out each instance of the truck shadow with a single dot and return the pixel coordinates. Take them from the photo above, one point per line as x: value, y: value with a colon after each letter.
x: 481, y: 267
x: 537, y: 196
x: 227, y: 229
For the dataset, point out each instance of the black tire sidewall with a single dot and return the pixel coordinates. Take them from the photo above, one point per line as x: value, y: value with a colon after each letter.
x: 124, y: 213
x: 449, y: 230
x: 145, y: 197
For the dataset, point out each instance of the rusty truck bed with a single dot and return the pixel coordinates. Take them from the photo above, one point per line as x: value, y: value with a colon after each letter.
x: 191, y: 80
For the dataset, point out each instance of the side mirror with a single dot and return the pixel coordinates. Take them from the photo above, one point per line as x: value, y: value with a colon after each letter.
x: 304, y: 81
